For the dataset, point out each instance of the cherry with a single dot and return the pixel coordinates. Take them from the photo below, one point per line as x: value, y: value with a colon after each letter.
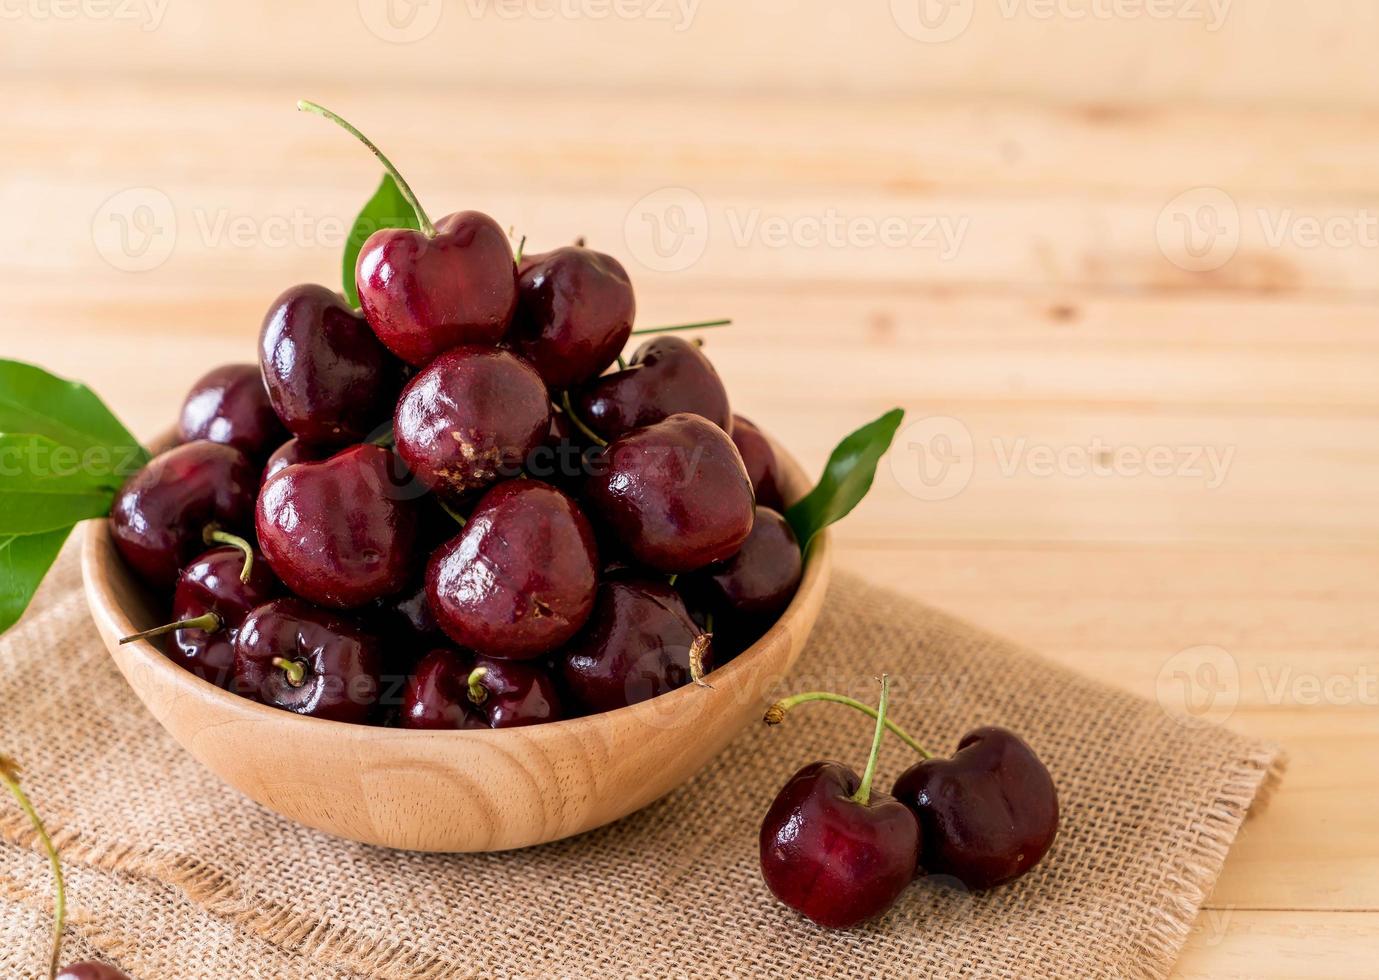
x: 424, y: 292
x: 640, y: 642
x: 835, y: 850
x: 340, y: 532
x: 753, y: 586
x: 230, y: 405
x: 437, y: 694
x: 311, y: 661
x: 160, y: 516
x: 519, y: 580
x: 675, y: 494
x: 214, y: 595
x: 988, y: 814
x: 512, y: 693
x: 330, y: 380
x: 574, y: 314
x: 295, y: 451
x: 761, y: 463
x: 666, y: 375
x: 471, y: 415
x: 91, y: 970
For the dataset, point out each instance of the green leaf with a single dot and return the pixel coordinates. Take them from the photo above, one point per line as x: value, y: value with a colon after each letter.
x: 386, y: 209
x: 24, y: 560
x: 45, y: 486
x: 846, y: 480
x: 34, y: 401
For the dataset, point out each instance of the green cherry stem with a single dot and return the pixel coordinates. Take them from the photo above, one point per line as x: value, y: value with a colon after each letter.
x: 776, y: 714
x: 455, y: 515
x: 9, y: 775
x: 578, y: 422
x: 427, y: 228
x: 296, y: 673
x: 622, y: 364
x: 702, y: 325
x: 214, y: 535
x: 517, y: 257
x: 863, y: 794
x: 477, y: 692
x: 209, y: 622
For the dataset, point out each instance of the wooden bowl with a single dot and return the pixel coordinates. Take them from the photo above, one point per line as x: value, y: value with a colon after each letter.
x: 449, y: 790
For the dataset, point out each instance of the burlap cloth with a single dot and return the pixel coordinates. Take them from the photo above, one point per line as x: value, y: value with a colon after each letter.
x: 173, y: 875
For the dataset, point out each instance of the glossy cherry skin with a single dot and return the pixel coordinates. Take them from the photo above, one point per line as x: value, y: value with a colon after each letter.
x: 755, y: 585
x: 472, y: 415
x: 666, y: 375
x: 211, y: 584
x: 674, y: 494
x: 437, y: 694
x: 295, y: 451
x: 159, y: 517
x: 342, y: 532
x: 330, y: 380
x: 760, y: 460
x: 833, y: 860
x: 520, y: 579
x: 229, y: 404
x: 574, y: 314
x: 339, y: 658
x: 90, y: 970
x: 516, y: 693
x: 988, y: 814
x: 423, y: 296
x: 635, y: 646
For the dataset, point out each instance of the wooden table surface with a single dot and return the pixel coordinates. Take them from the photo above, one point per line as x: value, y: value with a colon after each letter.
x: 1119, y: 270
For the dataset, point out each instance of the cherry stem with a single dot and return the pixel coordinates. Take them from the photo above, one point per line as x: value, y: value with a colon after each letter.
x: 578, y: 422
x: 776, y: 714
x: 622, y: 364
x: 296, y: 673
x: 9, y: 775
x: 429, y: 229
x: 517, y: 256
x: 455, y: 515
x: 209, y: 622
x: 697, y: 649
x: 214, y: 535
x: 703, y: 325
x: 477, y: 692
x: 863, y: 794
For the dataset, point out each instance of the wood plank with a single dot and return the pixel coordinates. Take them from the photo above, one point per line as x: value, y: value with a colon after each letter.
x: 1290, y: 945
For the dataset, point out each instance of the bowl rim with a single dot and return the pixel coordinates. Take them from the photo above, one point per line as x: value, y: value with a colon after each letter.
x: 116, y: 620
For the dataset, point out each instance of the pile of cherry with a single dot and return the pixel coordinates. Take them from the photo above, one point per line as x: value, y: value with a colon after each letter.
x: 445, y: 493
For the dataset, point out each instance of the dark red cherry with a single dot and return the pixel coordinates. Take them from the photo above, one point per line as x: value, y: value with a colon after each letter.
x: 230, y: 405
x: 160, y: 516
x: 423, y: 296
x: 675, y: 494
x: 212, y: 584
x: 519, y: 580
x: 988, y: 814
x: 666, y: 376
x: 91, y: 970
x: 311, y: 661
x: 832, y: 858
x: 761, y: 463
x: 472, y: 415
x: 512, y: 693
x: 342, y: 532
x: 636, y: 645
x: 574, y: 314
x: 295, y: 451
x: 330, y: 380
x: 437, y: 694
x: 757, y: 583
